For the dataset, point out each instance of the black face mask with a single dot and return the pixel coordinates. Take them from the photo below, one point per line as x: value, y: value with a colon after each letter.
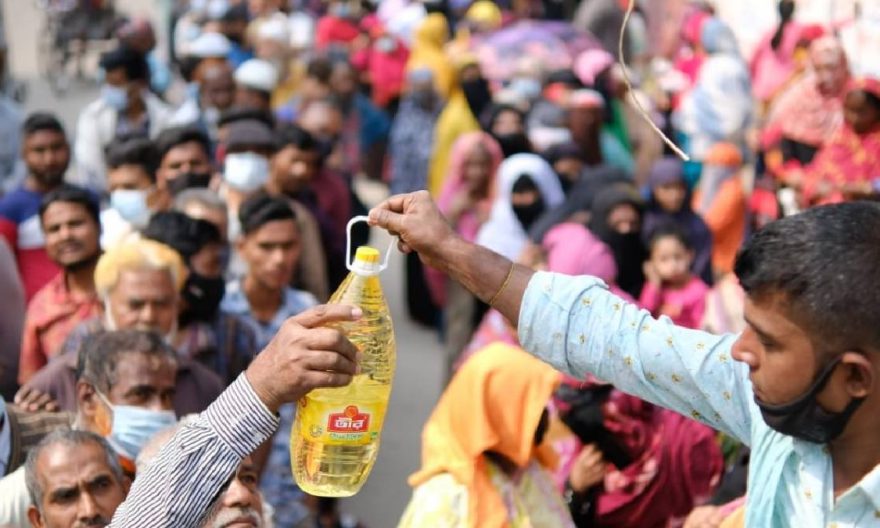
x: 189, y: 180
x: 513, y: 144
x: 565, y: 182
x: 527, y: 214
x: 804, y: 419
x: 478, y: 95
x: 202, y: 295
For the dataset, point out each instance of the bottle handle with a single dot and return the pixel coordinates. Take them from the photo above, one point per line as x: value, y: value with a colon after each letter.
x: 348, y: 264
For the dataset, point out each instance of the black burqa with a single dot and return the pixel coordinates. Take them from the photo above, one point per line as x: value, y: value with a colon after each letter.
x: 629, y: 251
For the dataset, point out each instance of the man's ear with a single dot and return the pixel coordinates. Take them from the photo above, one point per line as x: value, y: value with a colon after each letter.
x: 34, y: 516
x: 860, y: 376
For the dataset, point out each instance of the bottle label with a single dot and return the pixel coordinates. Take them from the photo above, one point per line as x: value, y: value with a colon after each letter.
x: 328, y: 423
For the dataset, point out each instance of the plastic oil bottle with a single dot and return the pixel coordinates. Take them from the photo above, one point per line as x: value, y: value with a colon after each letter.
x: 336, y: 434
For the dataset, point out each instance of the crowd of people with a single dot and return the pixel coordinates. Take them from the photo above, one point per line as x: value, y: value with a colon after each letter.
x: 152, y: 253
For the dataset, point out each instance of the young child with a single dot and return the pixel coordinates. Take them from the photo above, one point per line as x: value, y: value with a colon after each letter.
x: 670, y: 288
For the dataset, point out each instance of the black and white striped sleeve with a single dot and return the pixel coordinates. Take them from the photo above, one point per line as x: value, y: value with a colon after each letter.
x: 177, y: 489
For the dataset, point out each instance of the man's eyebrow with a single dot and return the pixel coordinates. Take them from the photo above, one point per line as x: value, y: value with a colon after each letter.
x: 757, y: 328
x: 60, y: 493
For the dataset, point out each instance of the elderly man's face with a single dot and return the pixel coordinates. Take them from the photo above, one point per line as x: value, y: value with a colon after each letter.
x: 144, y: 380
x: 79, y: 487
x: 240, y: 505
x: 143, y: 299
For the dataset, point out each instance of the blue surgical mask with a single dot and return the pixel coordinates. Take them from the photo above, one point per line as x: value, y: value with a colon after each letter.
x: 245, y: 171
x: 134, y: 426
x: 114, y: 96
x: 527, y: 87
x: 131, y: 204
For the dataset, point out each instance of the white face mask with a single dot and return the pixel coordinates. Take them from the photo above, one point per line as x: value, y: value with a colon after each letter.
x: 131, y: 204
x: 245, y: 171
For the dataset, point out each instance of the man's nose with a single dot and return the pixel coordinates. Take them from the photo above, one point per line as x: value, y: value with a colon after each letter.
x: 742, y: 351
x: 88, y: 513
x: 238, y: 495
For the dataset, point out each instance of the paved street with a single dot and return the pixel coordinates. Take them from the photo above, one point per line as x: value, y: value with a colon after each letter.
x: 418, y: 379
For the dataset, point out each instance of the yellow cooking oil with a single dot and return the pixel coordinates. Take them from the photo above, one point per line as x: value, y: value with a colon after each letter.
x: 337, y: 431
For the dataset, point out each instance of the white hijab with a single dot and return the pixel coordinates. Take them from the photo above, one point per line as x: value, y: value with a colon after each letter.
x: 503, y: 233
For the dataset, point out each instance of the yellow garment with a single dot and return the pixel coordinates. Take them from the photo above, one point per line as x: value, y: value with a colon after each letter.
x: 454, y: 121
x: 531, y: 498
x: 737, y: 519
x: 289, y: 87
x: 428, y: 53
x: 494, y: 403
x: 485, y: 13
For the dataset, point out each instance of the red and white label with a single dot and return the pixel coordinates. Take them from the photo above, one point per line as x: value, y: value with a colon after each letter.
x: 349, y: 421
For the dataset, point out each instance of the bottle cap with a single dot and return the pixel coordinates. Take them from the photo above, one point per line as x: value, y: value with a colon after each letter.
x: 367, y: 260
x: 367, y: 255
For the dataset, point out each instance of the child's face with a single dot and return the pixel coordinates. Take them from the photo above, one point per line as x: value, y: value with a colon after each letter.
x: 670, y: 196
x: 671, y: 259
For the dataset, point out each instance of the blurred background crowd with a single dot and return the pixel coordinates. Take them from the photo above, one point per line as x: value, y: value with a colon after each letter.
x: 202, y: 194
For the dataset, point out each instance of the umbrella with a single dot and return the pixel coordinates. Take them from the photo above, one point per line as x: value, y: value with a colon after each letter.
x: 554, y: 45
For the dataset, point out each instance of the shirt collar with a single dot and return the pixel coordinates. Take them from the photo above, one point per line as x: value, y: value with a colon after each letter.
x: 870, y: 485
x: 235, y: 301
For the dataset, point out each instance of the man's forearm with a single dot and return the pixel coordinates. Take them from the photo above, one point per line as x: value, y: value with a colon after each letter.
x: 483, y: 272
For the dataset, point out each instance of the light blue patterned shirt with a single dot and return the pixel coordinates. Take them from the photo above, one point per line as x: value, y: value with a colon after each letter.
x: 576, y: 325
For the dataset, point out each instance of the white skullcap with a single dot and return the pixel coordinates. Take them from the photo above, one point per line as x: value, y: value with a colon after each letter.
x: 275, y: 28
x: 209, y: 45
x: 257, y: 74
x: 302, y: 31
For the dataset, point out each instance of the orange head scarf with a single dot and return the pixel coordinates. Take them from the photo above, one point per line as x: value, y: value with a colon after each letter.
x: 494, y: 403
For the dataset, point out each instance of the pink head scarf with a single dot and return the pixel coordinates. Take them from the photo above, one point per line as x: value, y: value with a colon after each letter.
x: 573, y: 250
x: 469, y: 223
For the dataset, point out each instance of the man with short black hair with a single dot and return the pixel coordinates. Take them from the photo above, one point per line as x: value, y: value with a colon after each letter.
x: 46, y: 154
x: 801, y: 385
x: 74, y: 479
x: 296, y: 173
x: 134, y: 195
x: 222, y: 342
x: 270, y: 246
x: 185, y: 159
x: 125, y: 109
x: 249, y: 144
x: 69, y: 217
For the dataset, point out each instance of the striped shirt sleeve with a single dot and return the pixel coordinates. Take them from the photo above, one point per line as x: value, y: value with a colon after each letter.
x: 190, y: 471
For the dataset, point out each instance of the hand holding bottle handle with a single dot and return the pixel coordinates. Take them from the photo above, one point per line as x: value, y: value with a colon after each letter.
x: 348, y: 264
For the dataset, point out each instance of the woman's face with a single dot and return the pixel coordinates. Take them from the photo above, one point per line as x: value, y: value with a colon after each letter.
x: 624, y: 219
x: 507, y: 123
x: 860, y: 113
x: 569, y: 168
x: 477, y: 168
x: 670, y: 196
